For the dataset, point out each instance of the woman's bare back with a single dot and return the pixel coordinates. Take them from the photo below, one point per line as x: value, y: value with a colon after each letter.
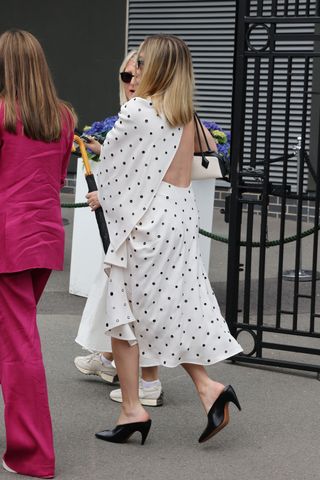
x: 179, y: 172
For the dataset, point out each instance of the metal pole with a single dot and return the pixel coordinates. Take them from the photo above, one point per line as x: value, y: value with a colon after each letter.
x: 303, y: 275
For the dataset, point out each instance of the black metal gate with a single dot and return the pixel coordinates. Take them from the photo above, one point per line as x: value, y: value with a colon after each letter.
x: 276, y: 313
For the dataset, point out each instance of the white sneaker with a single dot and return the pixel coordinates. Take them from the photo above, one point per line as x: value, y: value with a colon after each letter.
x: 5, y: 466
x: 93, y: 365
x: 149, y: 396
x: 8, y: 469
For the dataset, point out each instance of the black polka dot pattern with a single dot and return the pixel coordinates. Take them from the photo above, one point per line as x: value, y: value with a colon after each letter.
x: 127, y: 162
x: 179, y: 320
x: 158, y: 293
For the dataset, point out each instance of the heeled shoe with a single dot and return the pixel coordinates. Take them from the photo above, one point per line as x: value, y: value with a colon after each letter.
x: 121, y: 433
x: 218, y: 415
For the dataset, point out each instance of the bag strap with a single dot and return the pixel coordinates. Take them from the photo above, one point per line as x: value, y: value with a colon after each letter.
x: 198, y: 122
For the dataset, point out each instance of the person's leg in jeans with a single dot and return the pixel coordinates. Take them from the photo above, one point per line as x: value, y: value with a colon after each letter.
x: 30, y: 448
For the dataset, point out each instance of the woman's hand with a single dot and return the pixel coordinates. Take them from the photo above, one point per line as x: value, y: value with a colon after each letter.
x: 93, y: 200
x: 93, y: 145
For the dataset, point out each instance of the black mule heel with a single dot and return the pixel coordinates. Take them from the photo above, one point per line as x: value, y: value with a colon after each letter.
x: 218, y: 415
x: 121, y: 433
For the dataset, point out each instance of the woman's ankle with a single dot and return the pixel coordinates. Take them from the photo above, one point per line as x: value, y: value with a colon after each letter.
x: 133, y: 413
x: 107, y: 356
x: 209, y: 392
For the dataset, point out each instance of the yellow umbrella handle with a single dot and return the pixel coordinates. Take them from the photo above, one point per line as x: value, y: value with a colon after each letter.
x: 84, y: 154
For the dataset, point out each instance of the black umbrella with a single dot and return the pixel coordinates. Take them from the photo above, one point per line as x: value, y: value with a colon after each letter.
x: 92, y: 186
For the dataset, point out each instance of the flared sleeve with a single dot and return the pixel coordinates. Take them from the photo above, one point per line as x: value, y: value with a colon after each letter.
x: 135, y: 156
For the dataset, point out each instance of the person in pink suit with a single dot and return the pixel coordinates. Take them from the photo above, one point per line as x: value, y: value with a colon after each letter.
x: 36, y: 135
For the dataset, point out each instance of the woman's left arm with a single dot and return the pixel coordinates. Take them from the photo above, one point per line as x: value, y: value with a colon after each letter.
x: 93, y: 145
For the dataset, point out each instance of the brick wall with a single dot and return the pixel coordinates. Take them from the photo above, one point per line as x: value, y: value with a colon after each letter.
x: 275, y: 205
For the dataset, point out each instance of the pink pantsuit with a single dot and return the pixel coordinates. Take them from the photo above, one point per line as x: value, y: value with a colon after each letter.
x: 31, y: 245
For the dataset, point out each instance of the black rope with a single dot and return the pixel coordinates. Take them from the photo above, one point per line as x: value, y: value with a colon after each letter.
x: 271, y: 243
x: 219, y: 238
x: 74, y: 205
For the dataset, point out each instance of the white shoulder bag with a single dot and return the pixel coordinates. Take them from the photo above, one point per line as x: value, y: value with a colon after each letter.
x: 207, y: 164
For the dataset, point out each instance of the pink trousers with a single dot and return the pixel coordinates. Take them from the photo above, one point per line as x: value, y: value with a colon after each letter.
x: 30, y: 448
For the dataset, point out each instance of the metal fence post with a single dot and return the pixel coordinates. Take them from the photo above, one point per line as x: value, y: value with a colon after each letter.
x: 303, y: 275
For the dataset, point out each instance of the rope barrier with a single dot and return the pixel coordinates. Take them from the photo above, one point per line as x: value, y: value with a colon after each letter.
x: 219, y: 238
x: 271, y: 243
x: 74, y: 205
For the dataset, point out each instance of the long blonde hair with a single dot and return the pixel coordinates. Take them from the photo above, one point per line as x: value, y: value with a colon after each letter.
x: 126, y: 60
x: 167, y: 77
x: 27, y: 89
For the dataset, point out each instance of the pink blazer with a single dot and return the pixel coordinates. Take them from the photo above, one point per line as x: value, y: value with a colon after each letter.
x: 32, y: 172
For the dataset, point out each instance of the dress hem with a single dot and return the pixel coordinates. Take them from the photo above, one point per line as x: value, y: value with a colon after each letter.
x: 194, y: 362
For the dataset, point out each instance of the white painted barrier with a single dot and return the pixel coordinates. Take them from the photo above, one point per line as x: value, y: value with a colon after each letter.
x: 87, y: 252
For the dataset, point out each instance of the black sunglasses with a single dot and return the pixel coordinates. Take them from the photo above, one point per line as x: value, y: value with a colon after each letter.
x: 126, y: 77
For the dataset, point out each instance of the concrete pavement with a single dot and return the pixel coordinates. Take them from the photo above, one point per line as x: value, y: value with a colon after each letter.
x: 276, y: 435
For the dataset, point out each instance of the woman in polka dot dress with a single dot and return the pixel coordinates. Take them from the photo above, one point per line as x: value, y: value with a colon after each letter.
x: 159, y: 299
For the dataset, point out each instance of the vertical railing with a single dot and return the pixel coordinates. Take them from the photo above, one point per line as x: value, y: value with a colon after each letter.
x: 236, y: 153
x: 283, y: 194
x: 300, y: 191
x: 249, y: 176
x: 313, y: 314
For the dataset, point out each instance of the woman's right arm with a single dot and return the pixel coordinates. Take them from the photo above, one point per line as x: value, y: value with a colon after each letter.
x: 93, y: 200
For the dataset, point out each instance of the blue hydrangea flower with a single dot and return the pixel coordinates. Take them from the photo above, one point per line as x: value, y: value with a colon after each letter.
x: 103, y: 127
x: 223, y: 148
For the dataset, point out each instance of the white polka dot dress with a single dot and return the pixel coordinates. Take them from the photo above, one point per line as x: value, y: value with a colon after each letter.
x: 157, y: 294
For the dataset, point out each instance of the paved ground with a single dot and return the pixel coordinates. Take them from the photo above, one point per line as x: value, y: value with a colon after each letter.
x: 277, y: 434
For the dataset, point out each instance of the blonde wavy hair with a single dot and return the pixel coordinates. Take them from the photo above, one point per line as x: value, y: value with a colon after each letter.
x: 167, y: 77
x: 27, y: 90
x: 131, y: 56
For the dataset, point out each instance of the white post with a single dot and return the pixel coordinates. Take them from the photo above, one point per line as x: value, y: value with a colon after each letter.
x: 204, y: 192
x: 87, y: 252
